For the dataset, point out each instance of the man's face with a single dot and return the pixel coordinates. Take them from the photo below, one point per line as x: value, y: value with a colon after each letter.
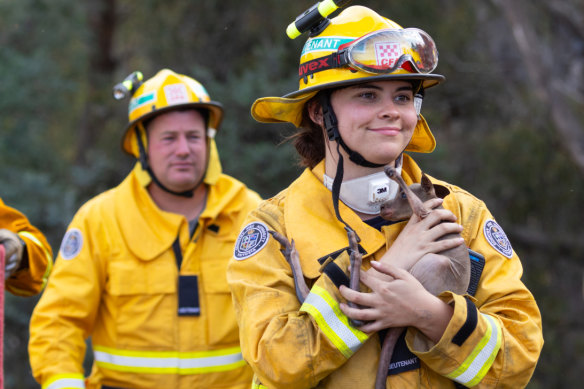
x: 177, y: 148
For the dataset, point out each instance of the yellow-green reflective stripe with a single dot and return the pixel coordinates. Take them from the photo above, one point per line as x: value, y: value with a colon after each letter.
x: 477, y: 364
x: 255, y: 385
x: 47, y: 254
x: 332, y: 321
x: 169, y: 362
x: 65, y: 381
x: 327, y: 7
x: 292, y: 31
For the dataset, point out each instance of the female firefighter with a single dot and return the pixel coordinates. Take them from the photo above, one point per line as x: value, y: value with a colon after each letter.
x: 362, y: 78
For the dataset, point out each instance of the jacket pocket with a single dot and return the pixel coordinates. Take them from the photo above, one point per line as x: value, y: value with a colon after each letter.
x: 221, y: 323
x: 141, y: 301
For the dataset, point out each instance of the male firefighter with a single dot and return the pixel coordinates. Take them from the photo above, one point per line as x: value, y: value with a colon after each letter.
x: 142, y: 267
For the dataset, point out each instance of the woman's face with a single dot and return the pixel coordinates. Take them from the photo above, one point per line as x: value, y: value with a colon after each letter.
x: 376, y: 119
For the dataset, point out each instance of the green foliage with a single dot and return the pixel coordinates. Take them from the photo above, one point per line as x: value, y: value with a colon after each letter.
x: 60, y: 128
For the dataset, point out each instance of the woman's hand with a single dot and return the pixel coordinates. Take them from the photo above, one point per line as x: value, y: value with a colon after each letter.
x: 396, y: 301
x: 420, y: 237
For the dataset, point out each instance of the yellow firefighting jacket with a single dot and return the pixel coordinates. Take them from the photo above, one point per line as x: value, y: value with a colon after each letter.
x: 493, y: 339
x: 32, y: 277
x: 115, y: 279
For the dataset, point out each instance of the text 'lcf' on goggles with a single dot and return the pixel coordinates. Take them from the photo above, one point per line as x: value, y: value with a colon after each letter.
x: 381, y: 52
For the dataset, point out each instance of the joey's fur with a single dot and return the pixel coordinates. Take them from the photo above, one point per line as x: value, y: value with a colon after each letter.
x: 453, y: 265
x: 447, y: 270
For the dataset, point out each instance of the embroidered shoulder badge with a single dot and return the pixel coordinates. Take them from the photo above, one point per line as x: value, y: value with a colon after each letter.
x: 71, y: 244
x: 251, y: 240
x: 497, y: 238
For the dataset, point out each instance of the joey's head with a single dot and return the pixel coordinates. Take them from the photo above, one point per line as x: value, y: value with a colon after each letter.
x: 399, y: 207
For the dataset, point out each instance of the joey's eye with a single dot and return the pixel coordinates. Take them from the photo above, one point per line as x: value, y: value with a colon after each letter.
x: 403, y: 195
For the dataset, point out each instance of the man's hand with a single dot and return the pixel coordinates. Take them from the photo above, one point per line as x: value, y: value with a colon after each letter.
x: 14, y: 249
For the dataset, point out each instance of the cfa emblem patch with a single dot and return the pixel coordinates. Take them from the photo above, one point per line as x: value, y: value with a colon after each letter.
x: 71, y: 244
x: 497, y: 238
x: 251, y: 240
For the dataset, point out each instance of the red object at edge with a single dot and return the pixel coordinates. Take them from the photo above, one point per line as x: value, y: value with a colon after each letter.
x: 2, y: 252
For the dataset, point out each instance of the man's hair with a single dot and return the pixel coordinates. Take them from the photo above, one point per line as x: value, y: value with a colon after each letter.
x: 202, y: 111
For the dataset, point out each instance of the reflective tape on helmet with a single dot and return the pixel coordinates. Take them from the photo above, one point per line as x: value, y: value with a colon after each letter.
x: 332, y: 321
x: 477, y: 364
x: 68, y: 381
x: 169, y: 362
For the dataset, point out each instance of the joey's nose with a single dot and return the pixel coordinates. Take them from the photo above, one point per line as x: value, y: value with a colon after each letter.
x: 385, y: 211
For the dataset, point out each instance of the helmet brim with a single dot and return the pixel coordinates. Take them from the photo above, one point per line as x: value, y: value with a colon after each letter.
x: 289, y: 107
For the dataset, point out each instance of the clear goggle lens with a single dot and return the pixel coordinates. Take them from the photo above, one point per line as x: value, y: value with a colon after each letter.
x: 384, y: 51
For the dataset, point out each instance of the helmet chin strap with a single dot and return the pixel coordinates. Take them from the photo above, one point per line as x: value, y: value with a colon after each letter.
x: 146, y: 166
x: 332, y: 130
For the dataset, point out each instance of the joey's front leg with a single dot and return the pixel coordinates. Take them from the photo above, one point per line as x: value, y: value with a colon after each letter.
x: 291, y: 255
x: 355, y: 266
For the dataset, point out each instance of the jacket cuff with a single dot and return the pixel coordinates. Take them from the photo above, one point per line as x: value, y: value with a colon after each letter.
x: 68, y: 381
x: 467, y: 348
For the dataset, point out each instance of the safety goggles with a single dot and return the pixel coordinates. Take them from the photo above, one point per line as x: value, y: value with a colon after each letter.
x: 381, y: 52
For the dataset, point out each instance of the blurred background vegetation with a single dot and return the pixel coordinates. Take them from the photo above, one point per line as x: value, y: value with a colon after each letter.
x: 509, y: 121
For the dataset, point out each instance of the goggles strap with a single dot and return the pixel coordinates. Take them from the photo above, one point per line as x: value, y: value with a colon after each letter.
x: 146, y: 166
x: 331, y: 61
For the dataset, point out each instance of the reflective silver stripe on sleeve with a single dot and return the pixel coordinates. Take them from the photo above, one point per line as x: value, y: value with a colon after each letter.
x: 332, y: 322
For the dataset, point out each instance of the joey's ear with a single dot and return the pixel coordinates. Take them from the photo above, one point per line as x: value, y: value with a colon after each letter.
x: 426, y: 184
x: 441, y: 191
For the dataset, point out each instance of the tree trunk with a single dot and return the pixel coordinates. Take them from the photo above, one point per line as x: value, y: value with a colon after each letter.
x: 102, y: 20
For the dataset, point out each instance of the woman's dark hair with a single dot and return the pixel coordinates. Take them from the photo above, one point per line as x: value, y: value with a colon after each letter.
x: 309, y: 139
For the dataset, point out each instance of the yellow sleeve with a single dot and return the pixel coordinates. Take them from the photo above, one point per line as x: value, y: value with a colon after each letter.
x: 288, y: 345
x: 38, y: 263
x: 494, y: 339
x: 64, y: 316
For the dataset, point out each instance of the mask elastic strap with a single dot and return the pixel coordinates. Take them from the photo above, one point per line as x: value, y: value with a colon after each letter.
x: 144, y: 162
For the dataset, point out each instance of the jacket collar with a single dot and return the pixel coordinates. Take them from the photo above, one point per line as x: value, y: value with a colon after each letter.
x: 149, y: 231
x: 311, y: 221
